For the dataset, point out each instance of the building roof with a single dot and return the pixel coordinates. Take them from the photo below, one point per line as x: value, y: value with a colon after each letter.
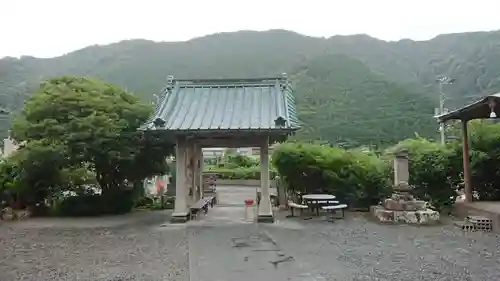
x: 480, y: 109
x: 262, y: 104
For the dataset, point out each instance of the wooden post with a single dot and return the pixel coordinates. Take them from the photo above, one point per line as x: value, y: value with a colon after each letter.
x: 200, y: 163
x: 196, y: 172
x: 180, y: 208
x: 265, y: 212
x: 466, y: 161
x: 162, y: 197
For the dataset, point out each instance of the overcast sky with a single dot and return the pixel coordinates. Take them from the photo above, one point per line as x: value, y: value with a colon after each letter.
x: 47, y: 28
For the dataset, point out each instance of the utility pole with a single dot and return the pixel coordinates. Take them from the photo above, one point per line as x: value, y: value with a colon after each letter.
x: 442, y: 98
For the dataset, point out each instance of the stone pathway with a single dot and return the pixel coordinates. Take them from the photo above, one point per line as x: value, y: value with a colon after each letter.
x: 223, y: 245
x: 240, y: 252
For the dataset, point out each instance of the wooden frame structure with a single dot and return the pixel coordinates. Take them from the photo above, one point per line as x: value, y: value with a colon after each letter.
x: 222, y: 113
x: 486, y: 108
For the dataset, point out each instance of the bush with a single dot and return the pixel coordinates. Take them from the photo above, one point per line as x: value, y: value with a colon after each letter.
x: 143, y: 201
x: 233, y: 161
x: 433, y: 171
x: 113, y: 201
x: 241, y: 173
x: 355, y: 177
x: 485, y: 159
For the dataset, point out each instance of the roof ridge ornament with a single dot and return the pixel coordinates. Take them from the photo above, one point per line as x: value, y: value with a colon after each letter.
x: 159, y: 123
x: 280, y: 122
x: 283, y: 81
x: 170, y: 82
x: 492, y: 104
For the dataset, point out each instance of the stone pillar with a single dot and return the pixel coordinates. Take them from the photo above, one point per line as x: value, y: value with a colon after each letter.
x: 401, y: 172
x: 180, y: 206
x: 401, y: 199
x: 265, y: 213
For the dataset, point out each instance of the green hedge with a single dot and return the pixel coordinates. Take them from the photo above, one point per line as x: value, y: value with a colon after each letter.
x: 240, y: 173
x: 485, y: 159
x: 111, y: 202
x: 357, y: 178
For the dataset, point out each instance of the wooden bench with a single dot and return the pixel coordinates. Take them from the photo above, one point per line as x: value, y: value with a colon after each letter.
x: 202, y: 204
x: 212, y: 200
x: 293, y: 205
x: 333, y: 208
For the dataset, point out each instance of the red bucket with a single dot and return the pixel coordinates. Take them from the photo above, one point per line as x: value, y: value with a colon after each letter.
x: 249, y: 202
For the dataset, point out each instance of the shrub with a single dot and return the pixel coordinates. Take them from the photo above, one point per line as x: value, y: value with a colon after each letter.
x: 143, y: 201
x: 233, y: 161
x: 241, y: 173
x: 485, y: 159
x: 355, y: 177
x: 114, y: 201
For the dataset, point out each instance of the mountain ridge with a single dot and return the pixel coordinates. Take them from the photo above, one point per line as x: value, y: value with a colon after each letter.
x: 406, y: 67
x: 402, y: 40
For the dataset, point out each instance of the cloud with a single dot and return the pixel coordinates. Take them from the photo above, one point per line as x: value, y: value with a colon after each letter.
x: 54, y: 27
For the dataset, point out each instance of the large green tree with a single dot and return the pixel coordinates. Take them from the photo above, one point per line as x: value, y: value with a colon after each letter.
x: 94, y: 125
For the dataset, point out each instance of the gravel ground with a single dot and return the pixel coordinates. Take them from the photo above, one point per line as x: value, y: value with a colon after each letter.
x: 358, y: 249
x: 134, y: 250
x: 224, y: 247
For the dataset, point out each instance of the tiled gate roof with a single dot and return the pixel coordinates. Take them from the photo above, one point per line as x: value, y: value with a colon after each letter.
x: 264, y: 104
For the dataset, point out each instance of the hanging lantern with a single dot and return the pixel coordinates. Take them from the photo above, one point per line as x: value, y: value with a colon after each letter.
x: 492, y: 104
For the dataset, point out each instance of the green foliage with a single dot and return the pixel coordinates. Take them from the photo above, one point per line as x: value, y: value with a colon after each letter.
x: 115, y: 201
x: 33, y: 172
x: 235, y: 166
x: 79, y: 133
x: 232, y: 160
x: 484, y: 151
x: 95, y: 126
x: 240, y: 173
x: 432, y: 171
x: 342, y: 101
x: 355, y: 177
x: 143, y: 201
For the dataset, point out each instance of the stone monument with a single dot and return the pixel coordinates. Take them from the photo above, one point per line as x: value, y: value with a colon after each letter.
x: 402, y: 207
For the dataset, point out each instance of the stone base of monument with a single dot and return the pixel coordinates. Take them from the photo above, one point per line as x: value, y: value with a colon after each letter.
x: 402, y: 207
x: 416, y: 217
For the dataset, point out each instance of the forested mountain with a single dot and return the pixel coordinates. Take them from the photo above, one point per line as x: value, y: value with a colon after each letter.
x: 354, y: 89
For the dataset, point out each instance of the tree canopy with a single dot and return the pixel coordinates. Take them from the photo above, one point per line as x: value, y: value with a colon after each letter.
x: 73, y: 125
